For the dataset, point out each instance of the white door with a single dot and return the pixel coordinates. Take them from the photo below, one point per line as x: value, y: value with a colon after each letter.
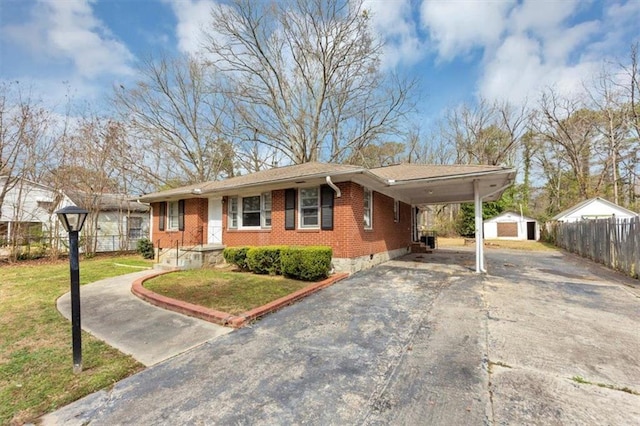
x: 215, y: 221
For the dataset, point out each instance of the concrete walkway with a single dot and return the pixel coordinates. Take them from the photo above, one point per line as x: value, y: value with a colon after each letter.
x: 112, y: 313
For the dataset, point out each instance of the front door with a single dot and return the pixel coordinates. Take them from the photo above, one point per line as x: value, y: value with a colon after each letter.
x: 215, y: 221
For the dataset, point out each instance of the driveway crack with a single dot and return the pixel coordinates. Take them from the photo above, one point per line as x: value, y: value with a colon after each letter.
x: 379, y: 400
x: 486, y: 362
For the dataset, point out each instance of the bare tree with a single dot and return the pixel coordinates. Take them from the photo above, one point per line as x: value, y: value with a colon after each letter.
x: 89, y: 168
x: 486, y: 133
x: 431, y: 148
x: 632, y: 86
x: 177, y: 116
x: 568, y: 129
x: 633, y: 72
x: 305, y: 77
x: 612, y: 126
x: 21, y: 123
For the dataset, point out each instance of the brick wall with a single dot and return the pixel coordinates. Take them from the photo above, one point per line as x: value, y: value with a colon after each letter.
x: 195, y: 225
x: 348, y: 238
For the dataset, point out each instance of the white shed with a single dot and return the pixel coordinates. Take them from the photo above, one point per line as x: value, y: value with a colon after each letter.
x: 594, y: 208
x: 511, y: 226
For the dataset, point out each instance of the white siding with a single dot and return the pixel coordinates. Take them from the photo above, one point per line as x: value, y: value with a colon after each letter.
x: 28, y: 202
x: 595, y: 209
x: 491, y: 226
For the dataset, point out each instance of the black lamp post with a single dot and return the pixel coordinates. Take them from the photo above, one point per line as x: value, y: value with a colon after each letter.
x: 72, y: 219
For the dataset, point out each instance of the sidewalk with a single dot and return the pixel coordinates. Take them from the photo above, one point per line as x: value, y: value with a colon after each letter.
x: 150, y: 334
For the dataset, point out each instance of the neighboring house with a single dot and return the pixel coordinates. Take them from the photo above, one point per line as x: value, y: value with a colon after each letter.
x: 28, y: 216
x: 366, y: 215
x: 594, y: 208
x: 114, y: 223
x: 27, y: 212
x: 512, y: 226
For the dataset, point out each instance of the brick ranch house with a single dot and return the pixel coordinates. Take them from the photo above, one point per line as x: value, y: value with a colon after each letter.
x: 367, y: 216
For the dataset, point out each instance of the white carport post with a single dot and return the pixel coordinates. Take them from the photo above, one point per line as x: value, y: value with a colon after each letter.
x: 477, y: 200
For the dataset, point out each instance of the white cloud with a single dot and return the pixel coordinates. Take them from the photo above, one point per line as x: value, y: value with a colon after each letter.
x: 540, y: 16
x: 69, y: 30
x: 541, y: 49
x: 620, y: 20
x: 193, y: 17
x: 530, y: 44
x: 456, y: 27
x: 392, y: 21
x: 517, y: 72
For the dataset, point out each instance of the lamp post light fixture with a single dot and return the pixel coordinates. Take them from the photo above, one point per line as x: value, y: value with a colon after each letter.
x: 72, y: 218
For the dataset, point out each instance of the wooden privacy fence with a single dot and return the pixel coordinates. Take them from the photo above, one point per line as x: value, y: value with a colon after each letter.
x: 612, y: 242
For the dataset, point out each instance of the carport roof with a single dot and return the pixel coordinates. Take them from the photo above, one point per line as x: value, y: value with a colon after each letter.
x: 422, y: 184
x: 411, y: 183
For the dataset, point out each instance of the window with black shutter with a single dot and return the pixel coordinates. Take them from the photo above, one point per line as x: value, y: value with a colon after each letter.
x: 162, y: 214
x: 181, y: 215
x: 326, y: 202
x: 290, y: 209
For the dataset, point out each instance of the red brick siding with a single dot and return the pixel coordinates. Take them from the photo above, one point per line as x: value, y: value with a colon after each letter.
x: 385, y: 234
x: 195, y: 225
x: 348, y: 237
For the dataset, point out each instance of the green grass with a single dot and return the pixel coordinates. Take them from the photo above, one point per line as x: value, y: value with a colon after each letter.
x: 583, y: 381
x: 444, y: 242
x: 226, y: 291
x: 36, y: 364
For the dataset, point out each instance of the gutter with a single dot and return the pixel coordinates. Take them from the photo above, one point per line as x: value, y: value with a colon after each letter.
x: 393, y: 182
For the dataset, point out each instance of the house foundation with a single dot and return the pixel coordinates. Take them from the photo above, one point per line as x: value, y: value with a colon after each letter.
x: 365, y: 262
x: 189, y: 258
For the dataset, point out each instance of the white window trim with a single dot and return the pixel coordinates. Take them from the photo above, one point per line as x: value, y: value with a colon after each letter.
x: 370, y: 226
x: 230, y: 212
x: 300, y: 224
x: 177, y: 215
x: 240, y: 211
x: 263, y: 210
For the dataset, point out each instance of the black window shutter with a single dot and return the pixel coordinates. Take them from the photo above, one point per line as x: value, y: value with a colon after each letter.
x: 181, y: 215
x: 326, y: 202
x: 162, y: 213
x: 290, y: 208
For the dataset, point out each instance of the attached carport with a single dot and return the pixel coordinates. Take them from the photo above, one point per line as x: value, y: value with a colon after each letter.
x: 418, y: 184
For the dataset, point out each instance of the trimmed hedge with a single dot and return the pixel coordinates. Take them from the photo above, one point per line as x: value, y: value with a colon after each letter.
x: 236, y: 256
x: 306, y: 263
x: 302, y: 263
x: 264, y: 260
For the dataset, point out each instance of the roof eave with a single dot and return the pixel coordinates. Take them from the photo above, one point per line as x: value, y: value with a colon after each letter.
x: 392, y: 182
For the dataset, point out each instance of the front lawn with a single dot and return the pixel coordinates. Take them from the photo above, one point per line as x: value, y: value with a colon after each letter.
x: 226, y: 291
x: 36, y: 366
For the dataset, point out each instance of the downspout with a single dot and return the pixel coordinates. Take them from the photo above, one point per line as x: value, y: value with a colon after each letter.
x: 334, y: 187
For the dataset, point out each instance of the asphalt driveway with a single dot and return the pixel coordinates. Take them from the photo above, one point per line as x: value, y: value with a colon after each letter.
x: 422, y: 340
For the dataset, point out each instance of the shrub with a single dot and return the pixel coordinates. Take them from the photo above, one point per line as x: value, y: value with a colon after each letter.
x: 264, y: 260
x: 144, y: 247
x: 236, y: 256
x: 306, y: 263
x: 29, y: 252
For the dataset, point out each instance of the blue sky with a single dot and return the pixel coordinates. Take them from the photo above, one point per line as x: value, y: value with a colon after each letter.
x: 499, y: 49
